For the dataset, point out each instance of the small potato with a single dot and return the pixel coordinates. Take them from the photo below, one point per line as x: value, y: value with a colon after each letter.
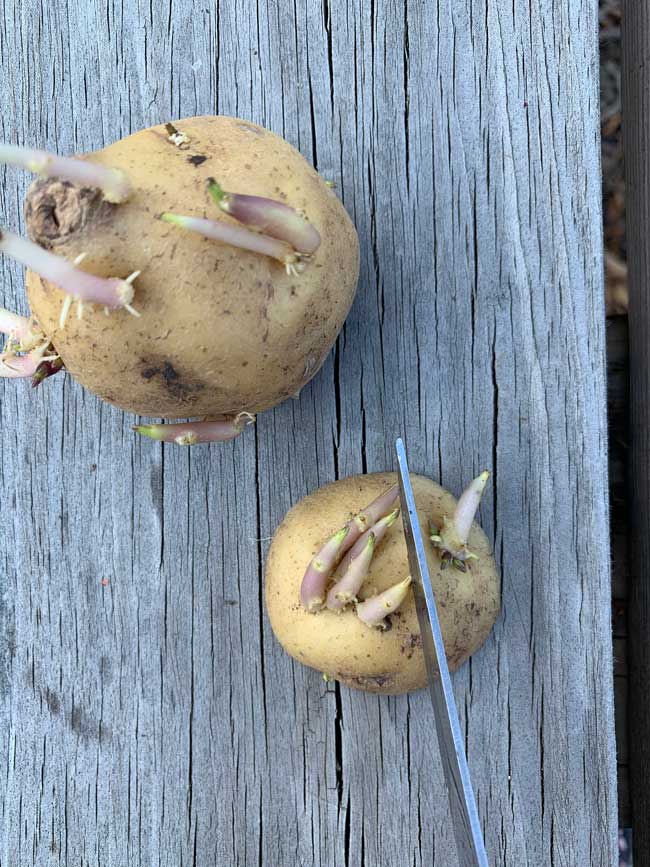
x: 339, y: 644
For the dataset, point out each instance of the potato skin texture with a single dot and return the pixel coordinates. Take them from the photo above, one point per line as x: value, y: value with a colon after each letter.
x: 222, y: 330
x: 340, y: 645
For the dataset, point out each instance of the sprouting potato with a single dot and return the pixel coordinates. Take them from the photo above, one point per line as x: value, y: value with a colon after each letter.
x: 200, y: 268
x: 337, y: 584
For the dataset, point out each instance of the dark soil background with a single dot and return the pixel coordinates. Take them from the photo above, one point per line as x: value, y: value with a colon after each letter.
x: 612, y: 156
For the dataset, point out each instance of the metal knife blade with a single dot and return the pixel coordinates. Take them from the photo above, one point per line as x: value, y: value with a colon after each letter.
x: 462, y: 804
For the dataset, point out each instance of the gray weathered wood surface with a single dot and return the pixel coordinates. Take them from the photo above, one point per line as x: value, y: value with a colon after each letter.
x: 154, y: 720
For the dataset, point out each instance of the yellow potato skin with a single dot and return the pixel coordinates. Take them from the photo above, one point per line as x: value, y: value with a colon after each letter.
x: 222, y: 330
x: 340, y: 645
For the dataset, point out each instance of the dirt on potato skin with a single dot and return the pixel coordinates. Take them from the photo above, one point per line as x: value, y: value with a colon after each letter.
x: 238, y: 332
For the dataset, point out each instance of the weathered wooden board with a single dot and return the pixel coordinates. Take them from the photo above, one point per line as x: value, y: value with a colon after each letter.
x: 154, y: 720
x: 618, y: 445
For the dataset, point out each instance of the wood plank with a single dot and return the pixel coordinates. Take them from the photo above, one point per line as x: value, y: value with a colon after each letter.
x: 155, y: 720
x: 620, y: 658
x: 636, y: 108
x: 624, y: 804
x: 617, y: 414
x: 621, y: 696
x: 618, y: 442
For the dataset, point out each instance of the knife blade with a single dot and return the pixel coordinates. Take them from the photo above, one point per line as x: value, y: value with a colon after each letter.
x: 462, y: 803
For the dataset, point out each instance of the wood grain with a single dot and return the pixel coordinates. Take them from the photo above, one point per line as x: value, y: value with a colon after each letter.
x: 154, y: 720
x: 636, y: 104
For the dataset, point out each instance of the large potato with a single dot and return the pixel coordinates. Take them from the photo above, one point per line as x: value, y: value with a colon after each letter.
x: 340, y: 645
x: 222, y: 330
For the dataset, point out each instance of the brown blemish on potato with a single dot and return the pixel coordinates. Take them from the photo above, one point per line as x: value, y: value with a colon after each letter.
x: 369, y: 682
x: 169, y: 373
x: 197, y: 159
x: 169, y: 376
x: 56, y: 211
x: 408, y: 647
